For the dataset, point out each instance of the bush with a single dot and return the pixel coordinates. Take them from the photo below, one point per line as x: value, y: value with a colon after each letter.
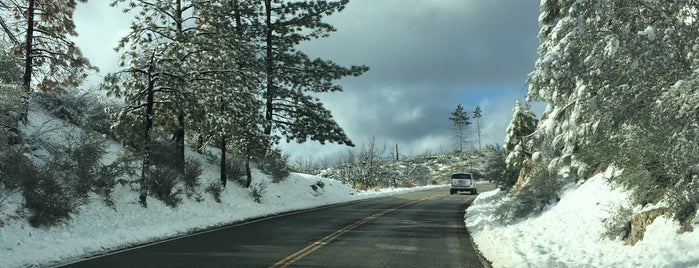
x: 162, y: 184
x: 496, y: 170
x: 48, y: 202
x: 235, y: 169
x: 14, y: 166
x: 190, y: 178
x: 215, y: 190
x: 619, y: 224
x: 540, y: 192
x: 318, y: 185
x: 11, y: 107
x: 275, y: 164
x: 81, y: 109
x: 257, y: 191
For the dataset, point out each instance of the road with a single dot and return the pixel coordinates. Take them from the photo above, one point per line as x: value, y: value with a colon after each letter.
x: 420, y: 229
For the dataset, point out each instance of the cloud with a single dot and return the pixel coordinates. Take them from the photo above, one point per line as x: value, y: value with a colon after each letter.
x: 426, y: 56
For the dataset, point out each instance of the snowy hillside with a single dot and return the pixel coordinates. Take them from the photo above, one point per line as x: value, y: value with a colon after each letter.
x: 571, y: 233
x: 98, y: 228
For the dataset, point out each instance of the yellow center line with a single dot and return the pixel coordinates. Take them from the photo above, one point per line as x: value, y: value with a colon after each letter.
x: 293, y: 258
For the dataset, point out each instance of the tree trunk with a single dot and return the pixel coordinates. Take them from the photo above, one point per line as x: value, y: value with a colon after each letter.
x: 178, y: 138
x: 269, y: 68
x: 145, y: 172
x: 200, y: 144
x: 224, y: 176
x: 179, y: 134
x: 478, y: 127
x: 27, y: 78
x: 248, y: 173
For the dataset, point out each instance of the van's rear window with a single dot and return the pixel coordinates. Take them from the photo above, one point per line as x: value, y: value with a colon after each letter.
x: 461, y: 176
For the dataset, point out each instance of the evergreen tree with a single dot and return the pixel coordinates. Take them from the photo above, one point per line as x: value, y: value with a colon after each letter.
x: 628, y: 101
x: 522, y: 125
x: 290, y: 75
x: 156, y: 55
x: 229, y: 82
x: 477, y: 115
x: 41, y: 31
x: 460, y: 120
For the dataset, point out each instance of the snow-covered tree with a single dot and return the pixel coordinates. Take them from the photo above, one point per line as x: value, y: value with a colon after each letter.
x: 617, y: 77
x: 40, y: 31
x: 290, y: 75
x: 157, y: 56
x: 459, y: 120
x: 522, y: 125
x: 228, y: 81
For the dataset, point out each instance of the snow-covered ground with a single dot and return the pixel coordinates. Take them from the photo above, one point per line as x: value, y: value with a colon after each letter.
x: 98, y: 228
x: 570, y: 234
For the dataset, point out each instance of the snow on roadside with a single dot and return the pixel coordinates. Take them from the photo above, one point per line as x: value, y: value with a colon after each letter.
x: 98, y: 228
x: 570, y: 234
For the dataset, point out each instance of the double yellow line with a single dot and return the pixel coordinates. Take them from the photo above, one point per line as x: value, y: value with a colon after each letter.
x: 298, y: 255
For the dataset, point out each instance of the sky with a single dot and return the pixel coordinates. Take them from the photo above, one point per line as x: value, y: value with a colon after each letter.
x: 425, y: 58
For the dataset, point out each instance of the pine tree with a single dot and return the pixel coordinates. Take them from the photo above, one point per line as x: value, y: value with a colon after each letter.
x: 460, y: 120
x: 229, y: 83
x: 629, y: 101
x: 156, y: 55
x: 290, y: 75
x: 41, y: 31
x: 522, y: 125
x: 477, y: 115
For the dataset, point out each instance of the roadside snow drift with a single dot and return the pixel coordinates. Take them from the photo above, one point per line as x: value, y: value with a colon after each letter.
x: 570, y: 234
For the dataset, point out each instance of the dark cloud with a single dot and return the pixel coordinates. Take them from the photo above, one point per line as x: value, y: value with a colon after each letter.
x: 425, y: 58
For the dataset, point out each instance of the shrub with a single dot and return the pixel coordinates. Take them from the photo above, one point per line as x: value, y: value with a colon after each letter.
x: 618, y: 225
x: 81, y: 109
x: 215, y: 190
x: 162, y: 184
x: 496, y: 170
x: 190, y: 178
x: 320, y: 184
x: 275, y: 164
x: 541, y: 191
x: 235, y: 168
x: 257, y: 191
x: 14, y: 166
x: 48, y: 202
x: 85, y: 161
x: 11, y: 107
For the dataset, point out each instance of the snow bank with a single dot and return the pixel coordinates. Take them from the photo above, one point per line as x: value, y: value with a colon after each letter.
x: 570, y: 234
x: 98, y: 228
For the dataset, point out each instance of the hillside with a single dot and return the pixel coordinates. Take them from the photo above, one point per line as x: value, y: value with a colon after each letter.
x: 420, y: 170
x: 96, y: 226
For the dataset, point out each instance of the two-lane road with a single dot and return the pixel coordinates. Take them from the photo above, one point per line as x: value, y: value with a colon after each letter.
x: 420, y: 229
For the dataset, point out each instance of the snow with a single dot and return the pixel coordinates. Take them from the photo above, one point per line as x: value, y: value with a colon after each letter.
x: 97, y: 228
x: 570, y: 234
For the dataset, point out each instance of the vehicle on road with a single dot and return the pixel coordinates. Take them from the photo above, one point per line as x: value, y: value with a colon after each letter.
x: 463, y: 182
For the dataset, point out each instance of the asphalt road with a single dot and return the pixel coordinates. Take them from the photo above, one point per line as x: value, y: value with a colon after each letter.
x: 420, y: 229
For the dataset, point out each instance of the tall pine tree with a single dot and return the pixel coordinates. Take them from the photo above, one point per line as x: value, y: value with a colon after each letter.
x: 460, y: 120
x: 477, y: 115
x: 290, y: 75
x: 157, y: 56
